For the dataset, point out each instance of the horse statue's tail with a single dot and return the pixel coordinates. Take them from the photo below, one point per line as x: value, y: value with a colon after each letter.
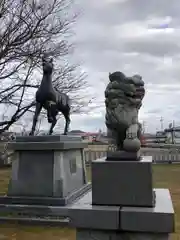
x: 68, y: 101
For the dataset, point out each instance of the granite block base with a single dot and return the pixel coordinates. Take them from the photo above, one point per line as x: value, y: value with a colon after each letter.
x: 46, y: 201
x: 88, y: 234
x: 122, y: 183
x: 123, y: 156
x: 52, y: 142
x: 33, y: 214
x: 48, y: 138
x: 47, y: 173
x: 158, y: 219
x: 39, y: 211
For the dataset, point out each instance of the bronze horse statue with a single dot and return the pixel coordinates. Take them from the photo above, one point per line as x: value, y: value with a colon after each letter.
x: 49, y: 98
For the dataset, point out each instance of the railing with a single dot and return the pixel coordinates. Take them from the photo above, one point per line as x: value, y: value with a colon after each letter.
x: 158, y: 154
x: 162, y: 154
x: 91, y: 155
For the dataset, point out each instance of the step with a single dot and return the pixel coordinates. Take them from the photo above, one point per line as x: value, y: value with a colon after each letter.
x: 64, y: 222
x: 33, y: 214
x: 34, y: 210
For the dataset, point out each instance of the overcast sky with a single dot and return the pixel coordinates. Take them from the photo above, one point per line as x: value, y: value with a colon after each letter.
x: 132, y: 36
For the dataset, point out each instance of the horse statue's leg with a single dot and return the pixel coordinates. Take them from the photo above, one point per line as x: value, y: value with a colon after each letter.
x: 54, y: 121
x: 35, y: 118
x: 67, y: 119
x: 50, y: 111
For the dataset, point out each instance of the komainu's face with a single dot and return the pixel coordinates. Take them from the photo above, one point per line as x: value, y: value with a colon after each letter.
x: 116, y: 76
x: 139, y: 85
x: 124, y: 90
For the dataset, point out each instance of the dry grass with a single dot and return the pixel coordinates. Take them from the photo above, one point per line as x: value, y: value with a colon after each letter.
x: 4, y: 179
x: 168, y: 176
x: 165, y: 176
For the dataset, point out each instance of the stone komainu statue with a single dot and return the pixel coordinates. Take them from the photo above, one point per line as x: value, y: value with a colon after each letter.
x: 123, y: 99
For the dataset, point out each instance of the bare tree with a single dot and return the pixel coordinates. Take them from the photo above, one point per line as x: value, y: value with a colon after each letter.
x: 30, y: 29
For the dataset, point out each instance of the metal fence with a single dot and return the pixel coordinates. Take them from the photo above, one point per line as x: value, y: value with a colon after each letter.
x: 158, y: 154
x: 91, y: 155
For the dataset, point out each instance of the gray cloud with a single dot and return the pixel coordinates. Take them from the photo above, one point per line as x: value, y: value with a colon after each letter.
x: 152, y: 47
x: 111, y: 13
x: 117, y: 35
x: 140, y: 9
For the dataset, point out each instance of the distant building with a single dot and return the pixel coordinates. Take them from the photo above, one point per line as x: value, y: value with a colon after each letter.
x: 6, y: 136
x: 173, y: 135
x: 161, y: 137
x: 89, y: 136
x: 76, y: 132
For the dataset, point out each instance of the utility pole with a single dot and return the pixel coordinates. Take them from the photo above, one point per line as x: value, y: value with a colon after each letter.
x: 143, y: 127
x: 173, y: 134
x: 161, y: 121
x: 173, y: 124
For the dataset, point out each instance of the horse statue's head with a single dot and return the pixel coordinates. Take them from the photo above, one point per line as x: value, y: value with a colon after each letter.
x: 47, y: 65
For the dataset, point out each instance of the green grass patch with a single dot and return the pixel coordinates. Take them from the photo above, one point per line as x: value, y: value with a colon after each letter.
x: 164, y: 176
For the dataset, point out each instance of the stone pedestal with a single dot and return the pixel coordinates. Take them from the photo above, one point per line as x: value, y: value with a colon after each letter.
x: 131, y: 181
x: 47, y: 166
x: 123, y: 155
x: 111, y: 235
x: 123, y: 204
x: 48, y: 174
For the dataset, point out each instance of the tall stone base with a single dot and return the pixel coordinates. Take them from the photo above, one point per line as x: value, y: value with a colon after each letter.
x: 111, y: 235
x: 123, y: 204
x: 48, y: 174
x: 131, y: 181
